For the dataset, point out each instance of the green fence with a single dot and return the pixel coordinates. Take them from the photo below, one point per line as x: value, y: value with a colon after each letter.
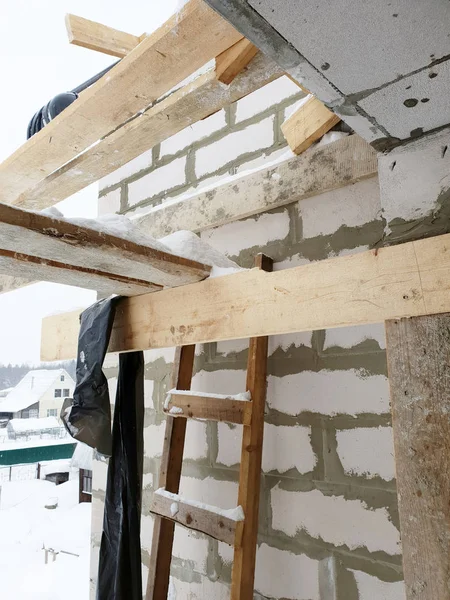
x: 36, y: 454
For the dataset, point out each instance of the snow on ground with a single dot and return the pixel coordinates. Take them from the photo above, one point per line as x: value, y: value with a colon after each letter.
x: 26, y: 526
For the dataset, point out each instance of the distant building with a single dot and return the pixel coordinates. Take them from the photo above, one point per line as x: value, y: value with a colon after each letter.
x: 5, y: 392
x: 39, y: 394
x: 27, y: 428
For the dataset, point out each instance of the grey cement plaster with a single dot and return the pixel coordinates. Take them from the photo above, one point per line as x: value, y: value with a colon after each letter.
x: 359, y: 58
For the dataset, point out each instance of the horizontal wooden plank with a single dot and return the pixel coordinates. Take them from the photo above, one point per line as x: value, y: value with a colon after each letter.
x: 195, y: 517
x: 24, y: 265
x: 322, y: 169
x: 193, y: 102
x: 95, y: 36
x: 410, y: 279
x: 57, y: 243
x: 209, y: 407
x: 308, y: 124
x: 186, y: 42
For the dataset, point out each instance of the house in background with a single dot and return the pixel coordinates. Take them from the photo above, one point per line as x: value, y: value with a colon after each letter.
x: 39, y: 394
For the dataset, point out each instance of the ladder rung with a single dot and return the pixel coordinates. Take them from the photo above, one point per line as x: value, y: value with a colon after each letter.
x: 213, y: 408
x: 200, y: 517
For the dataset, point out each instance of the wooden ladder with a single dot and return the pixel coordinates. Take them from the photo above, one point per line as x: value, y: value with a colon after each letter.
x: 169, y: 508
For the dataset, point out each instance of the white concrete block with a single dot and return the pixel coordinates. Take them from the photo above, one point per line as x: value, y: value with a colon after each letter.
x: 230, y: 443
x: 196, y: 445
x: 353, y: 205
x: 143, y: 161
x: 112, y: 388
x: 347, y: 337
x: 149, y: 385
x: 226, y: 552
x: 282, y: 574
x: 159, y: 180
x: 289, y: 340
x: 371, y: 588
x: 329, y: 393
x: 335, y: 520
x: 367, y: 451
x: 220, y: 382
x: 412, y: 177
x: 193, y: 133
x: 147, y: 480
x: 99, y: 474
x: 167, y: 354
x: 284, y: 448
x: 110, y: 203
x: 210, y: 491
x: 97, y: 510
x: 287, y: 448
x: 153, y: 440
x: 229, y: 346
x: 147, y: 523
x: 213, y: 590
x: 265, y: 160
x: 111, y: 360
x: 192, y: 546
x: 254, y: 137
x: 267, y: 96
x: 232, y: 238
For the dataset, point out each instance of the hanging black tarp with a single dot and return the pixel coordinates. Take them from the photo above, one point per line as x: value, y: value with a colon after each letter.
x: 88, y: 419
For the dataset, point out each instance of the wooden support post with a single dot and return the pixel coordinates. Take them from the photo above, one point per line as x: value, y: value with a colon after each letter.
x: 250, y: 471
x: 169, y: 479
x: 419, y: 374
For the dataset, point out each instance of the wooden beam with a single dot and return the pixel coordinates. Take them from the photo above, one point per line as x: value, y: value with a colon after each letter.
x: 59, y: 250
x: 193, y: 516
x: 209, y: 407
x: 231, y: 62
x: 95, y: 36
x: 24, y: 265
x: 182, y: 45
x: 187, y: 105
x: 308, y: 124
x: 419, y: 376
x: 407, y: 280
x: 346, y: 161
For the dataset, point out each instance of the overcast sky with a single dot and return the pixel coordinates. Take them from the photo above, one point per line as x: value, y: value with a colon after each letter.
x: 37, y: 62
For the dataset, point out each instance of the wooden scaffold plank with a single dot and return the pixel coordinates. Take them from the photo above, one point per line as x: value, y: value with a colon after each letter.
x: 63, y: 251
x: 201, y: 406
x: 410, y: 279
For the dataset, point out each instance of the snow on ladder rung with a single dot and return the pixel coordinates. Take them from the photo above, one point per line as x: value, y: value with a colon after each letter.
x: 214, y: 407
x: 223, y: 525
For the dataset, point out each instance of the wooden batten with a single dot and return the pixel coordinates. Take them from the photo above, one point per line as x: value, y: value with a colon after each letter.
x: 147, y: 73
x: 101, y: 38
x: 195, y: 517
x: 191, y: 103
x: 410, y: 279
x: 308, y: 124
x: 212, y: 408
x: 231, y: 62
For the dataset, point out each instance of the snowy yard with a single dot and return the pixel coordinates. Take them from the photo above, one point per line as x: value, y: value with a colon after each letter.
x: 26, y: 526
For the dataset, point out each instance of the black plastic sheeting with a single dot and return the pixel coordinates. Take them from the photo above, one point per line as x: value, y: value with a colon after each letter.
x: 88, y: 419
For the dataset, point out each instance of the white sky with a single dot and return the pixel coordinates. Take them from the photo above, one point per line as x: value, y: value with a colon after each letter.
x: 37, y: 62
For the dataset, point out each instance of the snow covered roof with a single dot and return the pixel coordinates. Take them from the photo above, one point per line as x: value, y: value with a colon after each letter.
x: 5, y: 391
x: 82, y: 457
x: 23, y: 425
x: 32, y: 387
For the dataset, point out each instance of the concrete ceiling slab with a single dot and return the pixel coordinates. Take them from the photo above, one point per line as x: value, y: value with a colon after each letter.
x: 369, y: 61
x: 362, y: 44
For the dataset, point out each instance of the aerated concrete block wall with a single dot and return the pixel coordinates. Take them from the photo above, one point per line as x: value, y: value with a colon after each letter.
x: 329, y: 526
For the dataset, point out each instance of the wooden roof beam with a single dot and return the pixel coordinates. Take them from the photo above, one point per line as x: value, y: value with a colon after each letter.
x: 410, y: 279
x: 101, y: 38
x: 181, y: 46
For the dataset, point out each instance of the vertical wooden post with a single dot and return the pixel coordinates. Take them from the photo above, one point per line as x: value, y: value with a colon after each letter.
x: 169, y: 479
x: 250, y: 471
x: 418, y: 351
